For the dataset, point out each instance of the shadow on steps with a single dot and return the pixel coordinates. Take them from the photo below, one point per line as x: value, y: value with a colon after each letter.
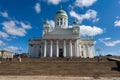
x: 118, y: 66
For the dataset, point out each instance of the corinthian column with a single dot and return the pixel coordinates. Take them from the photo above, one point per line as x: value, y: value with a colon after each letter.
x: 57, y: 46
x: 71, y: 48
x: 45, y: 48
x: 64, y: 48
x: 51, y: 49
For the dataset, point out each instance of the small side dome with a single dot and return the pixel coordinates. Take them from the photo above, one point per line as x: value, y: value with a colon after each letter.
x: 46, y: 22
x: 75, y: 22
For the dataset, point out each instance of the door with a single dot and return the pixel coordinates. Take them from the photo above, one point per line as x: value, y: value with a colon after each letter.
x: 61, y: 52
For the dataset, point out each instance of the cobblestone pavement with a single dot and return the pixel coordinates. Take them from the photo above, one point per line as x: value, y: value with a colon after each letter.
x: 55, y: 78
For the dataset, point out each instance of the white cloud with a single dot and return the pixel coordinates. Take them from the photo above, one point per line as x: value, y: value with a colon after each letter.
x: 4, y: 14
x: 89, y: 15
x: 11, y: 48
x: 15, y: 28
x: 117, y: 17
x: 90, y: 30
x: 52, y: 23
x: 37, y: 8
x: 109, y: 42
x: 84, y: 3
x: 3, y: 35
x: 25, y: 26
x: 55, y: 2
x: 2, y: 43
x: 117, y: 23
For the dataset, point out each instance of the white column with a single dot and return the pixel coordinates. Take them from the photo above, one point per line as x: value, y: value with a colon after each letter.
x: 62, y: 21
x: 45, y: 48
x: 71, y: 48
x: 51, y: 49
x: 59, y: 22
x: 57, y: 46
x: 77, y: 49
x: 84, y: 50
x: 93, y: 52
x: 64, y: 48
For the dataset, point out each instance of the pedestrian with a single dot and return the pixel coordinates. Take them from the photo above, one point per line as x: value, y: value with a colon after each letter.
x: 19, y: 58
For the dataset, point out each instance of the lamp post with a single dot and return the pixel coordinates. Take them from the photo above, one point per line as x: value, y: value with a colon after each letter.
x: 98, y: 50
x: 19, y: 50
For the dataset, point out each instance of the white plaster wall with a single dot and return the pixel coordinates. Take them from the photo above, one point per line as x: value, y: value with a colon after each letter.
x: 91, y: 52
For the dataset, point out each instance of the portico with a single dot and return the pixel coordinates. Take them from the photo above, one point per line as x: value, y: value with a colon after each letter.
x: 65, y: 46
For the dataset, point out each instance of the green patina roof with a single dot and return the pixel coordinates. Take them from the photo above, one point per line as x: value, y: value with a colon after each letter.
x: 46, y: 22
x: 75, y: 22
x: 61, y: 12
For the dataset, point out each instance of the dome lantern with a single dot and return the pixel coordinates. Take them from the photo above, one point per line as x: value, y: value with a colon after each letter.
x: 61, y: 19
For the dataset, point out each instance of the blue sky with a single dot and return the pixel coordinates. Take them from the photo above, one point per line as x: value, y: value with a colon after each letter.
x: 21, y: 20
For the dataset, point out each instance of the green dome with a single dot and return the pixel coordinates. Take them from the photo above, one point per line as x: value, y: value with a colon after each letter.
x: 46, y: 22
x: 61, y: 12
x: 75, y: 22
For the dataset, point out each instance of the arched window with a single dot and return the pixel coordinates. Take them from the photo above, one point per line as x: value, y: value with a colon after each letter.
x: 60, y: 21
x: 57, y: 23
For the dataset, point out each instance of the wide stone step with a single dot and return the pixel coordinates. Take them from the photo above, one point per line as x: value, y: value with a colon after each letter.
x: 89, y: 67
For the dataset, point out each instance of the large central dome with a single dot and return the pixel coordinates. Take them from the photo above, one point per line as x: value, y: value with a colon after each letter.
x: 61, y: 19
x: 61, y: 12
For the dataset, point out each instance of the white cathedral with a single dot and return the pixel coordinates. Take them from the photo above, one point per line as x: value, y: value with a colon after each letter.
x: 61, y: 41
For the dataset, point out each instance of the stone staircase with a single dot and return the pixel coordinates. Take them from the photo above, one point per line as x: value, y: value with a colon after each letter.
x: 60, y: 66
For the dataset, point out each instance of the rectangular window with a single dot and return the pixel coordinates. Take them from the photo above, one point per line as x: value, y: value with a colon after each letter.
x: 60, y: 23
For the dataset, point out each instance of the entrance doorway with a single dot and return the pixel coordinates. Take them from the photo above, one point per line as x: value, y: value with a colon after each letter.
x: 61, y: 52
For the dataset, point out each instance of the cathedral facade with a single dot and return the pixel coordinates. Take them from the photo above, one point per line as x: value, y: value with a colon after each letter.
x: 61, y: 41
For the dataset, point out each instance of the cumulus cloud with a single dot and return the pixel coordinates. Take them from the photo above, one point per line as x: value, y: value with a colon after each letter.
x: 55, y: 2
x: 15, y: 28
x: 117, y: 23
x: 37, y: 8
x: 3, y: 35
x: 90, y: 30
x: 84, y: 3
x: 2, y: 43
x: 4, y: 14
x: 11, y: 48
x: 25, y: 26
x: 109, y: 42
x: 89, y: 15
